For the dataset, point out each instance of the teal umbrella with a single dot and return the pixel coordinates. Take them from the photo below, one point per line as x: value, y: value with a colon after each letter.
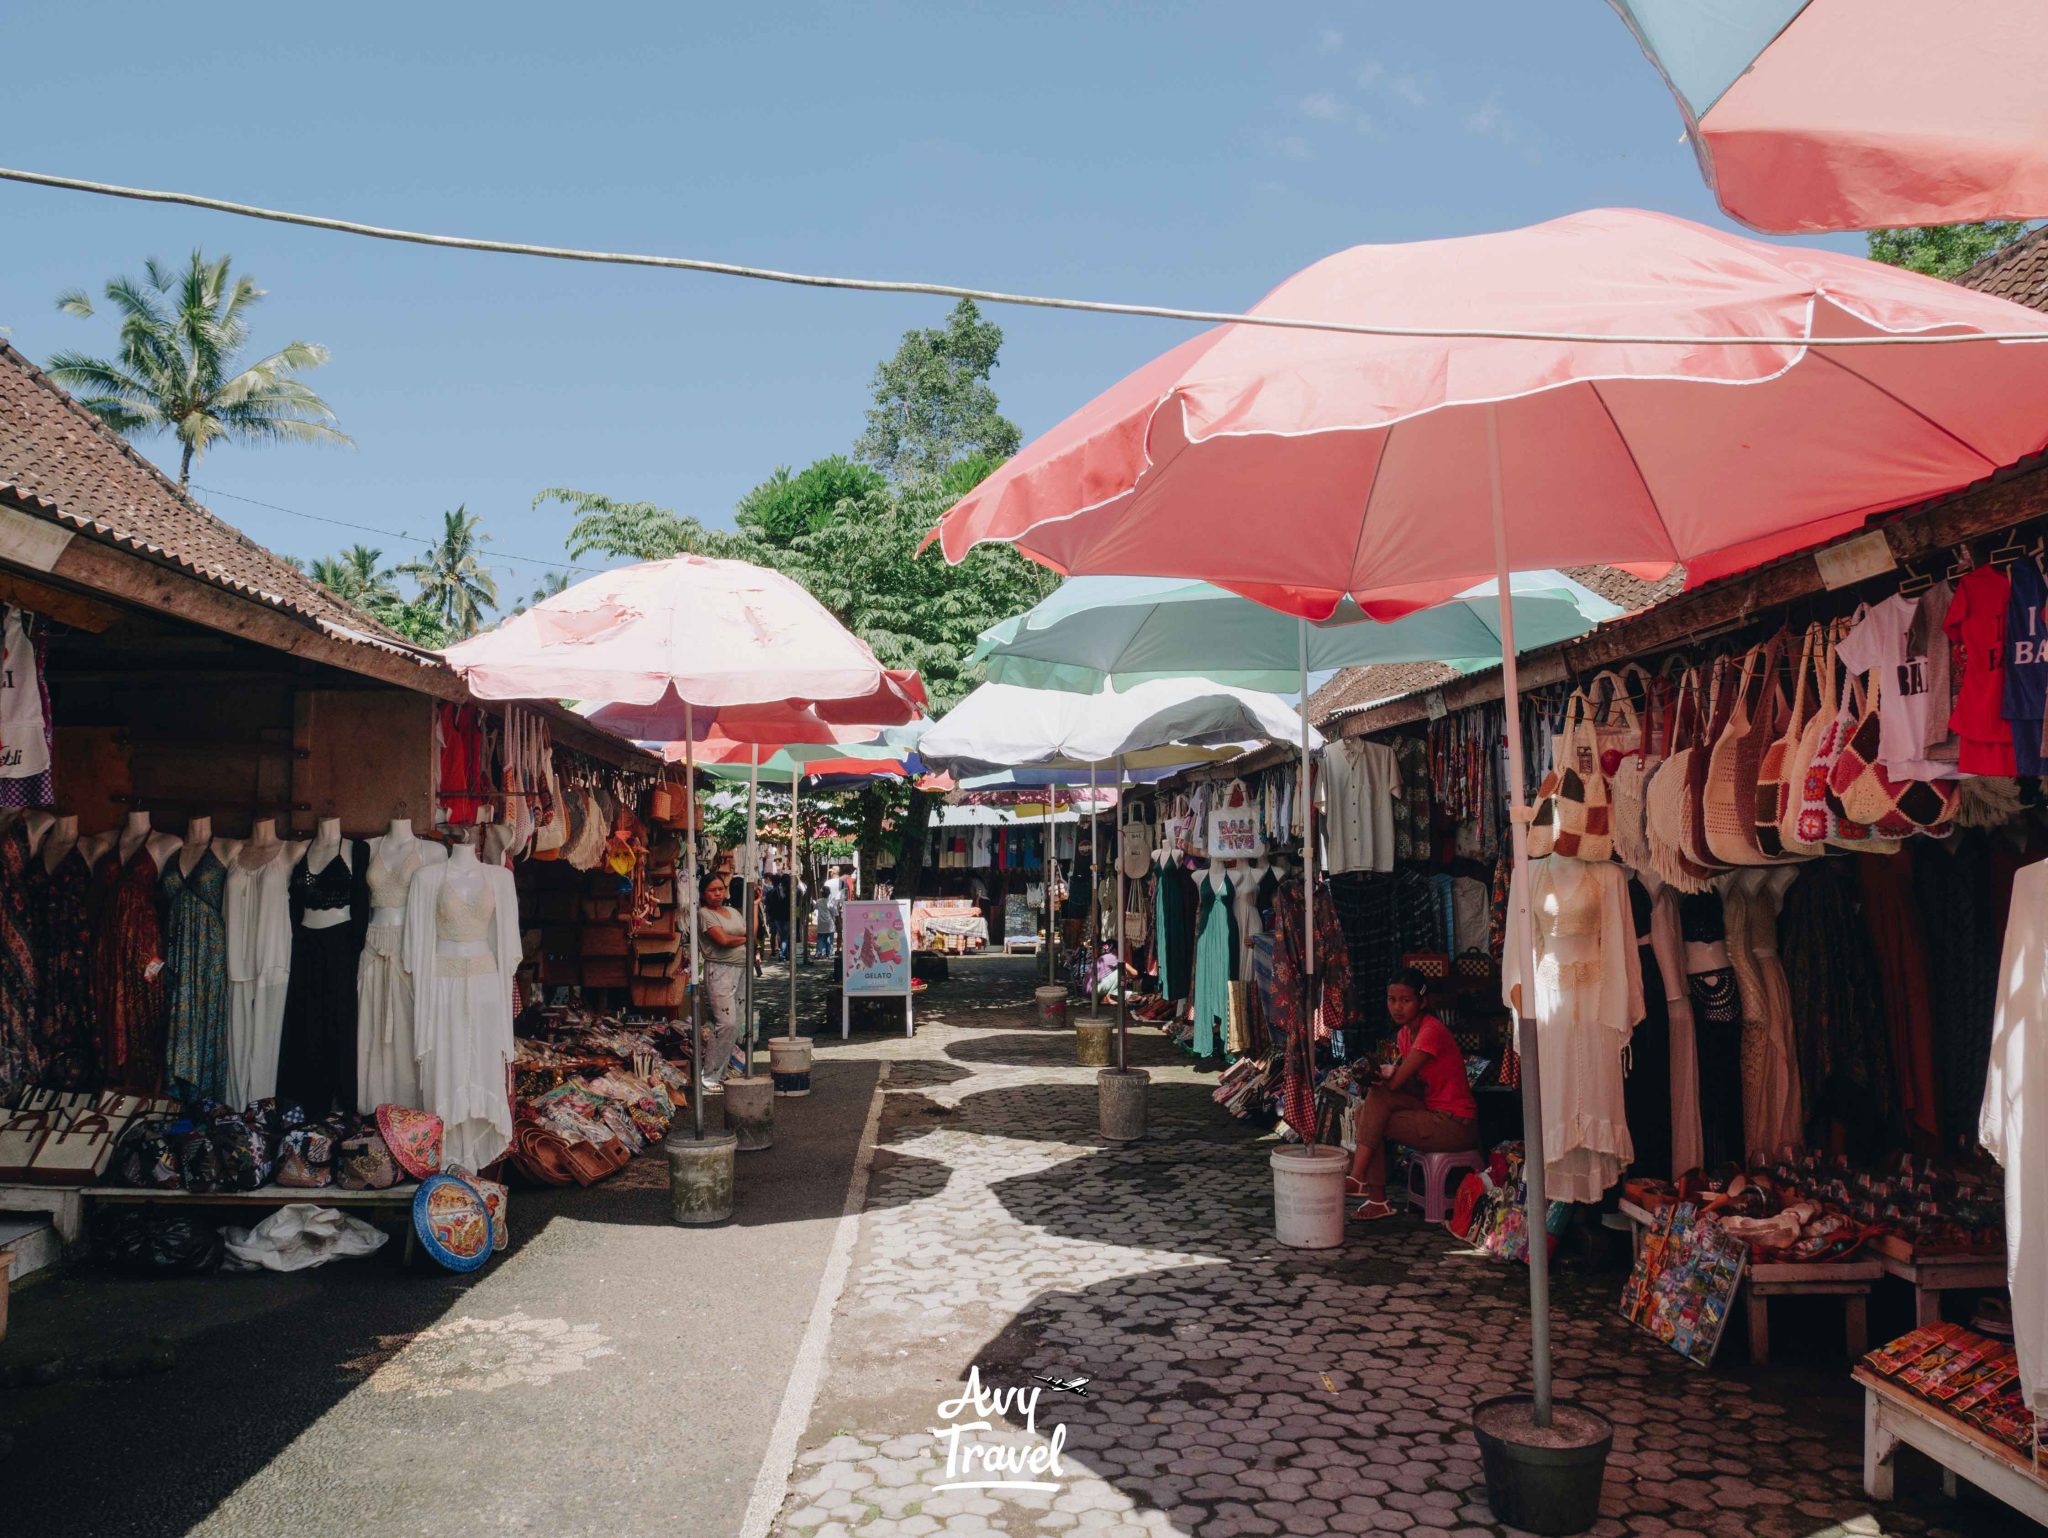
x: 1098, y: 631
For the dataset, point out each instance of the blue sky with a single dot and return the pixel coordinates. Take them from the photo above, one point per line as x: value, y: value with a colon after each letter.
x: 1187, y: 155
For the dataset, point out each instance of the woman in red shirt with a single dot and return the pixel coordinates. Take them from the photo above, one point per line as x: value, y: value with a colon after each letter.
x: 1424, y: 1101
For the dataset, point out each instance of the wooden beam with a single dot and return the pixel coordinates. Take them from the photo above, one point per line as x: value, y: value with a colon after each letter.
x: 2011, y: 498
x: 59, y: 604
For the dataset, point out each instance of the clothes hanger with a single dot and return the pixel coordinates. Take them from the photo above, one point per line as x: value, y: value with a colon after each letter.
x: 1917, y: 581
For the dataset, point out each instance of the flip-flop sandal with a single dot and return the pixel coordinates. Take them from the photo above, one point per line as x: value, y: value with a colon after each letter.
x: 1354, y: 1189
x: 1371, y: 1212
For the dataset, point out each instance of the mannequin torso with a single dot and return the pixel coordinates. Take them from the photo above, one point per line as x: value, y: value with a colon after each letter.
x: 137, y: 835
x: 326, y: 847
x: 262, y: 846
x: 58, y: 842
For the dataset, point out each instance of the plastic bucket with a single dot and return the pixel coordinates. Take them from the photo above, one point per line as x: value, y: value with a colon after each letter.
x: 1052, y: 1005
x: 1308, y: 1196
x: 1549, y: 1490
x: 789, y: 1064
x: 1095, y: 1043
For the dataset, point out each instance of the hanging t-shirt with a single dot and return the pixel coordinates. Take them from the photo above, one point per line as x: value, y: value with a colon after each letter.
x: 2026, y: 664
x: 1926, y: 638
x: 24, y: 734
x: 1975, y: 626
x: 1880, y: 644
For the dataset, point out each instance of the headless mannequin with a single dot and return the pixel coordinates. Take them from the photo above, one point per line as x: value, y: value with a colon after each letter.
x: 327, y: 845
x: 465, y: 876
x: 35, y: 822
x: 198, y: 839
x: 59, y: 842
x: 262, y: 846
x: 134, y: 834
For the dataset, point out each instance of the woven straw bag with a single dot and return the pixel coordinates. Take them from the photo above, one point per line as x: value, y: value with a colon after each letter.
x: 1721, y: 696
x: 1732, y: 780
x: 1777, y: 790
x: 1628, y: 786
x: 1665, y: 798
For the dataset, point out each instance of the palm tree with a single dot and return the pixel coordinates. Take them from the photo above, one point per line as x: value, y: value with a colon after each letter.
x: 453, y: 579
x: 553, y: 583
x: 358, y: 576
x: 182, y: 332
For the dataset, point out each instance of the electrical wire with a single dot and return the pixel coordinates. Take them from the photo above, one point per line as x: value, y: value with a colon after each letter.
x: 980, y: 295
x: 365, y: 528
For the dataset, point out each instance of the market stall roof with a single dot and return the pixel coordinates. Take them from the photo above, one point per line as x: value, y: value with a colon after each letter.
x: 1811, y: 115
x: 1171, y: 720
x: 1094, y: 631
x: 2018, y: 272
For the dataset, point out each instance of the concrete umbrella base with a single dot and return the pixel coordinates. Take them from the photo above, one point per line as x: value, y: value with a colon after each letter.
x: 1122, y: 1093
x: 750, y: 1110
x: 700, y: 1177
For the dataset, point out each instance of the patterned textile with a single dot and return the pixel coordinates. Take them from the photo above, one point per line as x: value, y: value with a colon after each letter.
x: 196, y: 948
x: 18, y: 978
x: 61, y: 938
x: 1413, y: 807
x: 1844, y: 1049
x: 127, y: 970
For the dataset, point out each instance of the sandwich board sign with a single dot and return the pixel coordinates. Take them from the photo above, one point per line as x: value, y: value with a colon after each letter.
x: 874, y: 947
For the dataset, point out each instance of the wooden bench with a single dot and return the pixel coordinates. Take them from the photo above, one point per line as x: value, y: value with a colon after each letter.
x: 1892, y: 1416
x: 1935, y: 1274
x: 1850, y: 1280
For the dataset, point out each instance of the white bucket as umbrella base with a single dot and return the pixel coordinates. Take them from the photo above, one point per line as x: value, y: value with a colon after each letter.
x: 1308, y: 1196
x: 750, y: 1111
x: 789, y: 1065
x: 1051, y: 1000
x: 700, y: 1177
x: 1122, y: 1094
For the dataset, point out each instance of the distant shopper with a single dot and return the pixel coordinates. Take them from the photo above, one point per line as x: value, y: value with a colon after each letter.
x: 1424, y: 1100
x: 775, y: 899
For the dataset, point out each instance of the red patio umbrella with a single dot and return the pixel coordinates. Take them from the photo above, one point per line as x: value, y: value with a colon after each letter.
x: 1858, y: 114
x: 1299, y: 466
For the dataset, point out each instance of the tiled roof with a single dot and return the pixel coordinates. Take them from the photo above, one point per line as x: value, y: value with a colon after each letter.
x: 2019, y: 272
x: 58, y: 458
x: 1355, y: 688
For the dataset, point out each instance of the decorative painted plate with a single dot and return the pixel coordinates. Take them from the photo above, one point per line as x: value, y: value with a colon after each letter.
x: 453, y: 1222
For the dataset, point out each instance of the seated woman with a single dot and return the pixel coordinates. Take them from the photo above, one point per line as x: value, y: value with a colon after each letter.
x: 1423, y: 1101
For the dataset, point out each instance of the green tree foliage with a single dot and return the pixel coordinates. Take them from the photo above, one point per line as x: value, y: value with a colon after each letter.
x: 454, y: 582
x: 639, y: 531
x: 784, y: 507
x: 1943, y: 250
x: 182, y: 334
x: 358, y: 576
x: 933, y: 403
x: 543, y: 590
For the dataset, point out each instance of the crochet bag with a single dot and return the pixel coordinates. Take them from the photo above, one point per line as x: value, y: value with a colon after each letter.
x: 1571, y: 805
x: 1737, y: 763
x: 1818, y: 808
x: 1861, y: 792
x: 1629, y: 784
x: 1721, y: 696
x: 1665, y: 798
x: 1777, y: 799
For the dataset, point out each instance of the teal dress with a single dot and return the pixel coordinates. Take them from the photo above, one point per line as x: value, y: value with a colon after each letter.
x: 196, y: 952
x: 1215, y: 965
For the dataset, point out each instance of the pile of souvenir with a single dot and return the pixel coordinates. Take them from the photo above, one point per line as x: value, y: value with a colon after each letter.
x: 1489, y: 1209
x: 592, y: 1092
x: 209, y: 1147
x: 1962, y: 1374
x: 576, y: 1042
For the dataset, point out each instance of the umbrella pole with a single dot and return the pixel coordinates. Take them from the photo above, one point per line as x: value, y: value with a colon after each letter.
x: 1308, y: 886
x: 696, y: 923
x: 1052, y: 870
x: 753, y: 887
x: 1090, y: 950
x: 1123, y: 1060
x: 792, y: 928
x: 1518, y: 924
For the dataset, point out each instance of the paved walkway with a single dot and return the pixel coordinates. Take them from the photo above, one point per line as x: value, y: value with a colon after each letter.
x: 1238, y: 1387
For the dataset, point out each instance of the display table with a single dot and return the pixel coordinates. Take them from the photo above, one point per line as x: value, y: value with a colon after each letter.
x: 1936, y: 1274
x: 1891, y: 1415
x: 1850, y: 1280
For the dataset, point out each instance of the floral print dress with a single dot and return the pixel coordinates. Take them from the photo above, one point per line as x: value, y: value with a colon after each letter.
x: 196, y: 949
x: 59, y: 936
x: 18, y: 988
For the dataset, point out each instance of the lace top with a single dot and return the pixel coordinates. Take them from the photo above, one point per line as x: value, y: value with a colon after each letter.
x: 388, y: 886
x: 461, y: 918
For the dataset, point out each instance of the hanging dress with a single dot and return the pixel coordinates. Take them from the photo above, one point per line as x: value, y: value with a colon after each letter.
x: 128, y: 971
x: 1647, y: 1089
x: 259, y: 967
x: 387, y: 1058
x: 19, y: 990
x: 1215, y: 963
x: 1717, y: 1024
x: 196, y: 948
x: 316, y: 1055
x: 462, y: 948
x: 61, y: 938
x: 1581, y: 981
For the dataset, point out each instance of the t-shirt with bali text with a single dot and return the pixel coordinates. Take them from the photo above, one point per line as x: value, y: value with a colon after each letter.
x: 1444, y: 1087
x: 2026, y: 664
x: 1879, y: 644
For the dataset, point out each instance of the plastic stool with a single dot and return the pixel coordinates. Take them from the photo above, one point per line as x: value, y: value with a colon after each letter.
x: 1439, y: 1174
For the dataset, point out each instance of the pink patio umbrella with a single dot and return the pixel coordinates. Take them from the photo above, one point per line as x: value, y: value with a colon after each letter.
x: 1858, y: 114
x: 725, y: 637
x: 1298, y: 467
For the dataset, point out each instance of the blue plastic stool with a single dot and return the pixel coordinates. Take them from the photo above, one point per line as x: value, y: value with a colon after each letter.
x: 1433, y: 1179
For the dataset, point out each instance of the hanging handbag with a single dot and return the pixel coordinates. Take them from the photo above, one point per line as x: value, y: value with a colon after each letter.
x: 1721, y: 696
x: 1572, y: 806
x: 1620, y: 701
x: 1732, y: 773
x: 1628, y: 786
x: 1818, y: 806
x: 1861, y: 792
x: 1777, y: 799
x: 1664, y: 799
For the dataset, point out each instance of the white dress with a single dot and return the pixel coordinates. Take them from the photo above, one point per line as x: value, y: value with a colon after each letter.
x: 462, y: 948
x: 2015, y: 1132
x: 259, y: 968
x: 387, y: 1060
x: 1582, y: 983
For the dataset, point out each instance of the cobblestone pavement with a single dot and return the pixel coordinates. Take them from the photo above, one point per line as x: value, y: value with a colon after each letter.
x: 1238, y: 1387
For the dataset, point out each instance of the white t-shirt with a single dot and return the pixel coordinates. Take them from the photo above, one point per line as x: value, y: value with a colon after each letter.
x: 835, y: 894
x: 1905, y: 694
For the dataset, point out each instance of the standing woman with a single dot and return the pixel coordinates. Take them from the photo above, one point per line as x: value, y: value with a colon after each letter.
x: 725, y: 960
x: 1423, y: 1101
